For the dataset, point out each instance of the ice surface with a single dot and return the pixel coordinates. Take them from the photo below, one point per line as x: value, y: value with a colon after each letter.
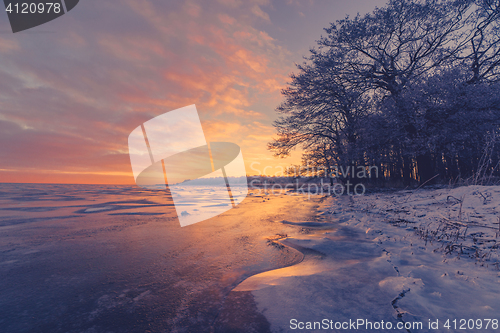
x: 82, y: 258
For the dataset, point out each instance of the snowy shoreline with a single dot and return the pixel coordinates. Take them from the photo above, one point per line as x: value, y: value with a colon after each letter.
x: 402, y: 257
x: 462, y: 221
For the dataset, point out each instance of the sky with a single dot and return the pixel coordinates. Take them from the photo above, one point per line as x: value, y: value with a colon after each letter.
x: 73, y: 89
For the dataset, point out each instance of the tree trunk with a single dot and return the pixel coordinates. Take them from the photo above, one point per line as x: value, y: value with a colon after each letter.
x: 425, y: 167
x: 406, y: 171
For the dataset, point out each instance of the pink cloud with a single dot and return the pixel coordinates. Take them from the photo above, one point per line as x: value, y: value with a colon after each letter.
x: 69, y: 101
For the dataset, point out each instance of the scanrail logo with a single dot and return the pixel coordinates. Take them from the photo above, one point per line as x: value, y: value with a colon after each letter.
x: 26, y: 14
x: 205, y: 179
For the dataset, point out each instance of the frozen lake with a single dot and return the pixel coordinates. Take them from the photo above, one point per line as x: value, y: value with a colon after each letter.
x: 90, y: 258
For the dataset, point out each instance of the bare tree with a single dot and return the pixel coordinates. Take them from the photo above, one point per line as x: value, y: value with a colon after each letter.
x: 398, y: 87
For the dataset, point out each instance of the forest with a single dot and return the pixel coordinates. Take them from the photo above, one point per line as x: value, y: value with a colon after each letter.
x: 412, y: 88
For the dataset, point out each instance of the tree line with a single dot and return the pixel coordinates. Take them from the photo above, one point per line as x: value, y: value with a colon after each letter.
x: 412, y: 88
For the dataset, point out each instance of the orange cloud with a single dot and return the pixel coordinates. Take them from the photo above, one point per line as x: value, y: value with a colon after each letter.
x: 72, y: 117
